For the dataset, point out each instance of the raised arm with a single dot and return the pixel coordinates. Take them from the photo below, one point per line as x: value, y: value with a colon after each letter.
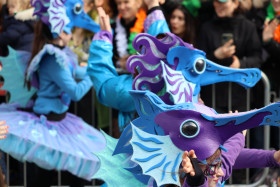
x: 112, y: 89
x: 155, y: 22
x: 234, y: 146
x: 257, y: 158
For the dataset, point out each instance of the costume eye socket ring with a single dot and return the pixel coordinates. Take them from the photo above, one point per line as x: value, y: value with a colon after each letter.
x: 189, y: 128
x: 199, y: 66
x: 78, y: 8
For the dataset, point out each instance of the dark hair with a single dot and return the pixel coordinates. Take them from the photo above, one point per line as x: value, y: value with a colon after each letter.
x: 113, y: 6
x: 42, y: 35
x: 191, y: 24
x: 214, y: 156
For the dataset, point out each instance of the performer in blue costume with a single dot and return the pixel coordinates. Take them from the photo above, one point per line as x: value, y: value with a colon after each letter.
x: 196, y: 77
x: 112, y: 89
x: 49, y: 136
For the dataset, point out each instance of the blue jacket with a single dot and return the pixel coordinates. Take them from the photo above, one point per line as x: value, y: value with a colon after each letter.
x: 113, y: 89
x: 57, y: 86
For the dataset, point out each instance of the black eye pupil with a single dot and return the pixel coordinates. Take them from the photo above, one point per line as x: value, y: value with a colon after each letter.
x: 78, y: 8
x: 189, y: 128
x: 200, y: 64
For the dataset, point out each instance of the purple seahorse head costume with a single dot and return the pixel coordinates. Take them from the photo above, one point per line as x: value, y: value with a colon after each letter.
x: 63, y: 15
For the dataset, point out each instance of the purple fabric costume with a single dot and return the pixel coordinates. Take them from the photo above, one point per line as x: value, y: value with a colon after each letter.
x: 255, y: 158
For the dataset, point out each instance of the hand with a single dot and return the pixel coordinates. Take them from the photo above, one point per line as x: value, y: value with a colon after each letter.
x: 269, y: 29
x: 200, y: 101
x: 153, y: 3
x: 104, y: 20
x: 244, y: 132
x: 277, y: 156
x: 186, y: 163
x: 83, y: 64
x: 225, y: 51
x: 236, y: 63
x: 3, y: 129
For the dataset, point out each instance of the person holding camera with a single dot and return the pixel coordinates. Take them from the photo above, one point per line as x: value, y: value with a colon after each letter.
x: 230, y: 40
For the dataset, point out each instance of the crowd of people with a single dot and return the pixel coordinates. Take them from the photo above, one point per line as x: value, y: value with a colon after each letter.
x: 233, y: 33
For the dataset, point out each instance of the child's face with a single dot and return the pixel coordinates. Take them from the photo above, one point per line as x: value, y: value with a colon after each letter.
x: 213, y: 171
x: 65, y: 38
x: 13, y: 6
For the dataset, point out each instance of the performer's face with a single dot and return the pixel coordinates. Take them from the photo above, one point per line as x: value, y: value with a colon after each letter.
x: 177, y: 22
x: 213, y: 170
x: 128, y: 8
x: 65, y: 38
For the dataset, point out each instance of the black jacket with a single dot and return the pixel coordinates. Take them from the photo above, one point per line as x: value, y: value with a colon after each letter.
x: 246, y: 40
x: 248, y: 50
x: 17, y: 34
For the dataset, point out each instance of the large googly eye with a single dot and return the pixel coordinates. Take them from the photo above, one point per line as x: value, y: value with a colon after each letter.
x: 78, y: 8
x: 189, y: 129
x: 199, y: 66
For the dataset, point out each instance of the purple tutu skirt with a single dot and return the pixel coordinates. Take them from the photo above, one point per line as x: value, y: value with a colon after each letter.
x: 65, y: 145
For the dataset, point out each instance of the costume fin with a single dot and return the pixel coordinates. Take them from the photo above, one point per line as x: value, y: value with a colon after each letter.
x: 13, y: 71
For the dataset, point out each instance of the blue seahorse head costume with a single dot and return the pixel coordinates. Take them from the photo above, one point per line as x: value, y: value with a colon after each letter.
x: 63, y: 15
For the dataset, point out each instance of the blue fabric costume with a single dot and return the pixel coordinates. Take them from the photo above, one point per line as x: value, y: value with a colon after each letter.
x: 62, y: 144
x: 57, y: 84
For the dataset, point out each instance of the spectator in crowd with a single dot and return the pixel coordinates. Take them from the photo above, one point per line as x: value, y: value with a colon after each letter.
x: 126, y: 26
x: 231, y: 40
x: 15, y: 32
x: 183, y: 20
x: 271, y: 43
x: 271, y: 67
